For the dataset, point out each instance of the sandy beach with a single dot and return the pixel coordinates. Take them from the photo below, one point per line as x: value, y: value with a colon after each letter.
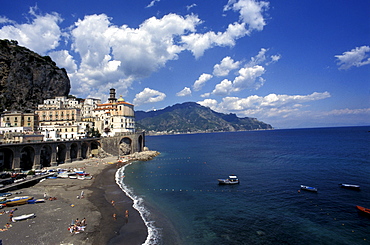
x: 106, y: 223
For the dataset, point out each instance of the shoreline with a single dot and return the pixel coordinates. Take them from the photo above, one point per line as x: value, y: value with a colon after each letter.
x: 52, y: 218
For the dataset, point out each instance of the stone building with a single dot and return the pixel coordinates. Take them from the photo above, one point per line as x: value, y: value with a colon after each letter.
x: 114, y: 117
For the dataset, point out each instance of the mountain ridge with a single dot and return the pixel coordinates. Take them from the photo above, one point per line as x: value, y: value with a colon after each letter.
x: 190, y: 117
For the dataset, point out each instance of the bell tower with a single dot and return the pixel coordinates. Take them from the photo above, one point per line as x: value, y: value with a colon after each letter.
x: 112, y: 96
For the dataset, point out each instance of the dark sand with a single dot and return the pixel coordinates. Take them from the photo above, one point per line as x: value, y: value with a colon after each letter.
x: 50, y: 226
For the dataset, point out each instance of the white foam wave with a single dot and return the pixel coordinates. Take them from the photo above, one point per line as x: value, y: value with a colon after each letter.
x: 154, y: 233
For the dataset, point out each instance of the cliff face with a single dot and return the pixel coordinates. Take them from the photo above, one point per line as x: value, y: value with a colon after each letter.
x: 26, y: 78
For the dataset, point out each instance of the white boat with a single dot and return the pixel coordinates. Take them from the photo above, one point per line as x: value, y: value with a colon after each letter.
x: 80, y: 177
x: 232, y: 180
x: 23, y: 217
x: 63, y: 175
x: 308, y: 188
x: 350, y: 186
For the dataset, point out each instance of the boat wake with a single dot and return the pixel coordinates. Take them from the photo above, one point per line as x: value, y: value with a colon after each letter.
x: 154, y: 233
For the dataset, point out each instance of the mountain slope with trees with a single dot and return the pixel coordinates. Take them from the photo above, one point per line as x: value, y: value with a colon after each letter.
x: 192, y: 117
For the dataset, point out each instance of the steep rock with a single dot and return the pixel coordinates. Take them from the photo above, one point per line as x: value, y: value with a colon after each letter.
x: 26, y: 78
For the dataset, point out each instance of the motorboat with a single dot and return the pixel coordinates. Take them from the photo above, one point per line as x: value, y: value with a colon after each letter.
x: 350, y: 186
x: 232, y: 180
x: 363, y: 210
x: 308, y: 188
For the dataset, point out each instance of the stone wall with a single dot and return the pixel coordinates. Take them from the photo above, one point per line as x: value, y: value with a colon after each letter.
x: 111, y: 145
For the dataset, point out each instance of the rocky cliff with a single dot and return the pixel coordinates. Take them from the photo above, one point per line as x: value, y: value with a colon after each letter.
x: 26, y: 78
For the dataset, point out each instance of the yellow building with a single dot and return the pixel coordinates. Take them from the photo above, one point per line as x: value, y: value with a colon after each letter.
x: 19, y: 119
x: 58, y: 116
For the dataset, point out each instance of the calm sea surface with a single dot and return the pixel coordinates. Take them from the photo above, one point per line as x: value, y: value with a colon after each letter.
x: 179, y: 197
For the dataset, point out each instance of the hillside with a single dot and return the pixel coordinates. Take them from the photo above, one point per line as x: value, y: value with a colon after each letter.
x: 26, y: 78
x: 192, y: 117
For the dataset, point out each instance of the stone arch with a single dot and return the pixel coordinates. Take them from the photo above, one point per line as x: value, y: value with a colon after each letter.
x: 27, y: 158
x: 74, y: 151
x: 125, y: 146
x: 140, y: 143
x: 6, y: 159
x: 84, y: 150
x: 61, y: 153
x: 45, y: 156
x: 94, y: 146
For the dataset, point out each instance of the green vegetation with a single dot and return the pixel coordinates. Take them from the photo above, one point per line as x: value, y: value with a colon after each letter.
x: 192, y: 117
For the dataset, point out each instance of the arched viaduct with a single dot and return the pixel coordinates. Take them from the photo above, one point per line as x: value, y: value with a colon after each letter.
x: 27, y: 156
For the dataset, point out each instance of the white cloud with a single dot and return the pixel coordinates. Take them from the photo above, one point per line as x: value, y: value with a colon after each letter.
x: 111, y: 53
x: 251, y: 12
x: 225, y: 87
x: 41, y: 35
x: 357, y: 57
x: 346, y: 112
x: 185, y: 92
x: 4, y: 20
x: 197, y: 43
x: 227, y: 64
x: 64, y: 59
x: 198, y: 84
x: 249, y: 78
x: 271, y: 105
x: 103, y: 54
x: 148, y: 96
x: 205, y: 95
x: 190, y: 6
x: 151, y: 4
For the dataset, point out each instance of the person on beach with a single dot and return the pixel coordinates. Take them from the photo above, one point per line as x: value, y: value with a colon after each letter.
x: 126, y: 216
x: 83, y: 222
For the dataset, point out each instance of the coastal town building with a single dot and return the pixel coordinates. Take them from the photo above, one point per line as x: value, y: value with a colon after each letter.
x: 116, y: 116
x: 19, y: 119
x: 67, y: 118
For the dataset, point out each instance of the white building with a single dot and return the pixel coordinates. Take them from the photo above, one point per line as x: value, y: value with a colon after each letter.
x: 115, y: 116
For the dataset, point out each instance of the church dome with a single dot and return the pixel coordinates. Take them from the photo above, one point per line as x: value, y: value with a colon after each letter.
x: 121, y: 99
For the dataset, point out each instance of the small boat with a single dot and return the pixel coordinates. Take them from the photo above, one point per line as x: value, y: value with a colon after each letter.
x: 232, y: 180
x: 33, y: 201
x: 72, y: 176
x: 349, y: 186
x: 6, y: 194
x: 308, y: 188
x: 18, y: 201
x: 23, y: 217
x: 63, y: 175
x: 364, y: 210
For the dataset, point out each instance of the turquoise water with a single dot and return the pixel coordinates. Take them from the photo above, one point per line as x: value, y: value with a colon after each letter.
x: 178, y: 194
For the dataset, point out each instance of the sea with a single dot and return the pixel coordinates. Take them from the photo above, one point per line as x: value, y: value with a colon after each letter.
x: 181, y: 202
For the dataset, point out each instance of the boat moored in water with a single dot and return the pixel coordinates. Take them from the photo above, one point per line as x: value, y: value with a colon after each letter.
x: 363, y: 210
x: 350, y: 186
x: 308, y: 188
x: 232, y: 180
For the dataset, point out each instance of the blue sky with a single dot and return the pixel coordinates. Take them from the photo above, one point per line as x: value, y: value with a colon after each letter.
x: 288, y: 63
